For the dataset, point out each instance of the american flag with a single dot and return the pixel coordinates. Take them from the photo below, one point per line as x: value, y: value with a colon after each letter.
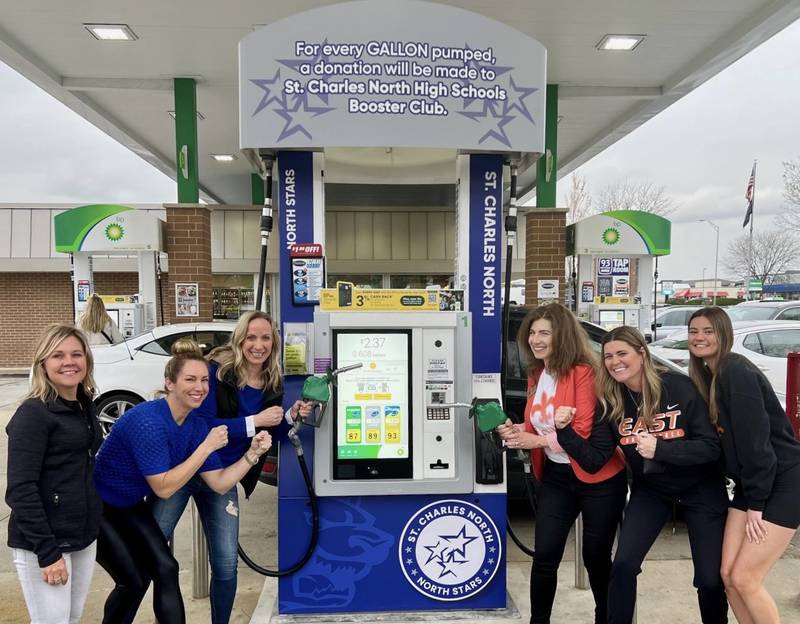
x: 749, y: 195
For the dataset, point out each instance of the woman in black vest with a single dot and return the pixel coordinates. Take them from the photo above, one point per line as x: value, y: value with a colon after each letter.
x: 55, y: 510
x: 245, y: 394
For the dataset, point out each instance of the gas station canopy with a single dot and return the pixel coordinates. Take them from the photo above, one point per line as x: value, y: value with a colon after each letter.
x: 126, y: 88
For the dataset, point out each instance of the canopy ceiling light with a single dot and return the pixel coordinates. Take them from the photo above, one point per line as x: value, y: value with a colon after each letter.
x: 111, y: 32
x: 223, y: 157
x: 624, y: 43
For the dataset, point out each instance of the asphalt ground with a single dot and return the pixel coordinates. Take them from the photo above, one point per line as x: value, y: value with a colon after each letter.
x: 665, y: 593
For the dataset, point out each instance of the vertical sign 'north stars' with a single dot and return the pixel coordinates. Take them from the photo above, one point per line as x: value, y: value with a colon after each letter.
x: 485, y: 224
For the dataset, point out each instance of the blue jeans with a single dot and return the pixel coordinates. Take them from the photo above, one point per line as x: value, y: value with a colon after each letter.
x: 219, y: 514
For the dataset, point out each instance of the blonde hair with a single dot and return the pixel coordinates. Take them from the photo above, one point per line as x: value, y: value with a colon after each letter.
x: 52, y: 336
x: 610, y: 391
x: 183, y: 350
x: 94, y: 318
x: 569, y: 340
x: 231, y: 356
x: 703, y: 377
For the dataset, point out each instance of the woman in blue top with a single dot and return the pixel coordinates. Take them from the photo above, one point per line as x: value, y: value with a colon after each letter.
x: 155, y: 448
x: 245, y: 395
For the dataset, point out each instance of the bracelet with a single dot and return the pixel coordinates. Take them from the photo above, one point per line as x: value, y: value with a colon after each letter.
x: 249, y: 461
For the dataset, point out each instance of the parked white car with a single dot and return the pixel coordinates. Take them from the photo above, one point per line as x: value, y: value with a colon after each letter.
x: 765, y: 310
x: 765, y: 343
x: 133, y: 371
x: 673, y: 319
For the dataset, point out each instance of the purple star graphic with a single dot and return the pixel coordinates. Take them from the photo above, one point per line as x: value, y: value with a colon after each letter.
x: 488, y: 107
x: 498, y: 70
x: 267, y: 86
x: 519, y: 104
x: 286, y: 114
x: 498, y: 133
x: 294, y: 65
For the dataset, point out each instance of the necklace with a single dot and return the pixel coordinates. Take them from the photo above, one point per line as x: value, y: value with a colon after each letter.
x: 633, y: 398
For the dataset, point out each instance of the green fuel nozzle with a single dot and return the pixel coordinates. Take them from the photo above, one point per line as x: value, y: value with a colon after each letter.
x: 489, y: 415
x: 318, y: 387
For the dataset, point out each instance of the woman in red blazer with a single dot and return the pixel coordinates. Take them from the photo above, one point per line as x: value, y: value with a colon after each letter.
x: 561, y: 374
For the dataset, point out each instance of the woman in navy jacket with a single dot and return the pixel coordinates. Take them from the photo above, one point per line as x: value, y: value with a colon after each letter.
x: 762, y: 458
x: 55, y: 510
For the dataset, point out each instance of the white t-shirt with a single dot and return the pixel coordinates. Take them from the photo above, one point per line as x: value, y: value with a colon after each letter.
x: 543, y: 412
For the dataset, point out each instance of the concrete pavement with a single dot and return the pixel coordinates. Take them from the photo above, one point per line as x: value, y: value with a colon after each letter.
x: 666, y: 594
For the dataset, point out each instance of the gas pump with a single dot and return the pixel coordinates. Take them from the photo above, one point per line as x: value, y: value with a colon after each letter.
x: 391, y: 431
x: 411, y: 492
x: 129, y: 315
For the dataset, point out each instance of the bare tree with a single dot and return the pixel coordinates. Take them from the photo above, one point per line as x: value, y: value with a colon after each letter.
x: 772, y: 252
x: 643, y: 196
x: 789, y: 216
x: 578, y: 200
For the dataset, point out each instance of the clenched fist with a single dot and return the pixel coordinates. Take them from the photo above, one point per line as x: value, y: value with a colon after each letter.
x: 217, y: 438
x: 563, y: 416
x: 261, y: 443
x: 269, y: 417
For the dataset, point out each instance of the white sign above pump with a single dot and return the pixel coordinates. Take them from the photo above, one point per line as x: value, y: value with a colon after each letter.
x: 391, y: 73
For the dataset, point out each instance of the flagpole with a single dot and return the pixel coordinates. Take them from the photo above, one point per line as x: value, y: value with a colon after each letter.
x: 752, y: 219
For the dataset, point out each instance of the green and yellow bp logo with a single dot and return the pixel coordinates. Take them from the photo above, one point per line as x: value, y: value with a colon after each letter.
x: 611, y: 236
x: 115, y: 232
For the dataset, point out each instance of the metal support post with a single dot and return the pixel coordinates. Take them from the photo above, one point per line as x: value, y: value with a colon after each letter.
x: 199, y: 556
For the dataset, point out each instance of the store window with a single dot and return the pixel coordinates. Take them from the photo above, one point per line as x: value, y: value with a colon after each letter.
x: 421, y: 281
x: 360, y: 281
x: 233, y: 295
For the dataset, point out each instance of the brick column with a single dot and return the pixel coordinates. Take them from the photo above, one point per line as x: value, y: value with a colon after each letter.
x: 545, y: 249
x: 189, y: 252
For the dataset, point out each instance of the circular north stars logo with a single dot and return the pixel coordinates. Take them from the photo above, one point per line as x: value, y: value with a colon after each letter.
x: 450, y: 550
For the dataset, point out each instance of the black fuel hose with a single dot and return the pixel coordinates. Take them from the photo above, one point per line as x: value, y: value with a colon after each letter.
x: 312, y: 544
x: 511, y: 235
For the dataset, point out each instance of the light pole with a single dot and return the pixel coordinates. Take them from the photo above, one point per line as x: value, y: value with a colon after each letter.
x: 703, y: 281
x: 716, y: 256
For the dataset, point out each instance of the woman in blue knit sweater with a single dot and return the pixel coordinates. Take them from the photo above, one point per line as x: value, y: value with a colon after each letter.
x: 155, y: 449
x: 245, y: 395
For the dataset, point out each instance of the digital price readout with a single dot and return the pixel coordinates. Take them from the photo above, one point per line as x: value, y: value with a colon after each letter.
x: 372, y: 404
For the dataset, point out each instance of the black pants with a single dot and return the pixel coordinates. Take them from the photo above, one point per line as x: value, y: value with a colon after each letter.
x: 561, y: 497
x: 133, y: 550
x: 704, y: 510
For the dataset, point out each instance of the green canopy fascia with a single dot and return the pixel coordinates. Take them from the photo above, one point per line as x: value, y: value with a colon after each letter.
x: 72, y: 226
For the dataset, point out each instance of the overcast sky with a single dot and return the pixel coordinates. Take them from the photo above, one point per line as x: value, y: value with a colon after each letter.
x: 701, y: 150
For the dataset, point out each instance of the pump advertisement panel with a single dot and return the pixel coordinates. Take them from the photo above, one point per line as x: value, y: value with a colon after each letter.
x: 393, y: 73
x: 372, y: 402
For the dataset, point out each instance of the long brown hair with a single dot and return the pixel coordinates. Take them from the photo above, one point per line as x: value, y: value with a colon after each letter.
x: 611, y: 392
x: 569, y: 340
x: 703, y: 377
x: 231, y: 356
x: 53, y: 335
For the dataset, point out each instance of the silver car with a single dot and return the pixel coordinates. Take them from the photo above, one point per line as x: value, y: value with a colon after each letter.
x: 765, y: 343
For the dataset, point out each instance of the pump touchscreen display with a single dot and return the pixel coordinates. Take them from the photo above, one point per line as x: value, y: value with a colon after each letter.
x: 372, y: 402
